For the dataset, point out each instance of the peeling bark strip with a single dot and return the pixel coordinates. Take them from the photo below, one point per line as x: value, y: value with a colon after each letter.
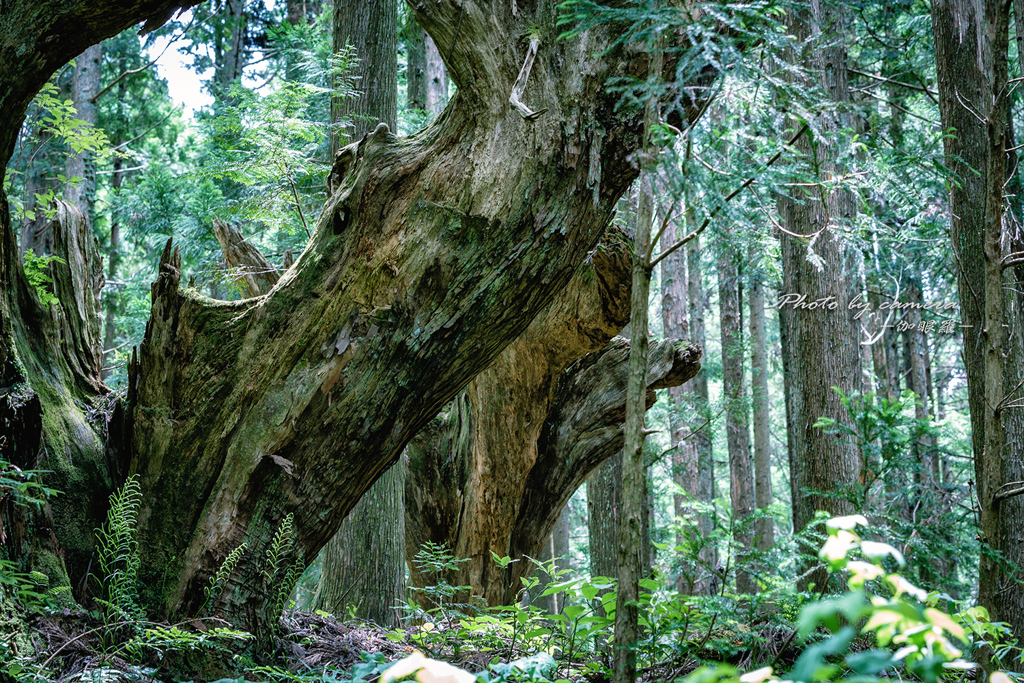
x: 433, y: 253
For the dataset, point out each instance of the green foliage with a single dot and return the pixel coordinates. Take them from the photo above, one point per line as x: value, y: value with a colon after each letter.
x: 118, y: 559
x: 282, y: 566
x: 220, y: 578
x: 60, y: 120
x: 900, y: 455
x: 36, y: 268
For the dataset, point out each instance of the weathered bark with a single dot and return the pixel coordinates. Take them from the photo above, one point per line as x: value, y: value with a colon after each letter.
x: 971, y: 41
x: 737, y: 421
x: 44, y: 397
x: 764, y: 528
x: 254, y: 275
x: 421, y: 269
x: 824, y: 343
x: 493, y: 472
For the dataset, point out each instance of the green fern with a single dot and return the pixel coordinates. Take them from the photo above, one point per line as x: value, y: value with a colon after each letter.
x: 280, y: 547
x: 118, y: 555
x: 220, y: 579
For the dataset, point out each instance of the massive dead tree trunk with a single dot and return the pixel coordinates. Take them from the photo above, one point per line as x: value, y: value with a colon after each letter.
x: 248, y: 419
x: 46, y: 386
x: 493, y: 472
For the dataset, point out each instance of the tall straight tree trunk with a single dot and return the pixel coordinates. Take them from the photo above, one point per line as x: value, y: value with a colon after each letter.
x: 971, y: 41
x: 824, y: 342
x: 604, y: 492
x: 231, y: 52
x: 700, y: 480
x: 85, y: 83
x: 764, y: 528
x: 371, y: 27
x: 363, y: 566
x: 415, y: 66
x: 737, y: 425
x: 685, y: 456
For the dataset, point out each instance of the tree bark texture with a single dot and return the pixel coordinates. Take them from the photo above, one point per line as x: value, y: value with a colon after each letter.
x: 363, y: 566
x: 48, y: 386
x: 823, y: 345
x: 764, y: 528
x: 371, y: 27
x: 971, y: 41
x: 494, y: 470
x: 421, y: 269
x: 737, y: 420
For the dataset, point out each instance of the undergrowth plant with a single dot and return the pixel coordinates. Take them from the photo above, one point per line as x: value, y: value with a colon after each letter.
x: 118, y: 559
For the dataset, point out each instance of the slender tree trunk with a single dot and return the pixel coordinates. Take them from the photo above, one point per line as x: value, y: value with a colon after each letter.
x: 764, y: 529
x: 632, y: 543
x: 700, y: 480
x: 824, y: 341
x: 737, y: 425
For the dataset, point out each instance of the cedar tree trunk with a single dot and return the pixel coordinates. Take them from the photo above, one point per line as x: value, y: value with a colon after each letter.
x: 971, y: 41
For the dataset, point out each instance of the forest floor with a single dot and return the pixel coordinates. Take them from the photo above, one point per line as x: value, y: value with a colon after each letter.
x: 309, y: 647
